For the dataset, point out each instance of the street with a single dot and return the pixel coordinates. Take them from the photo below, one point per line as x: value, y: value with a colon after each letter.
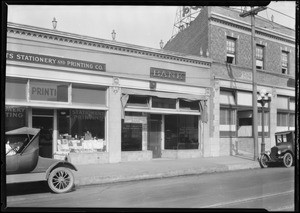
x: 271, y: 189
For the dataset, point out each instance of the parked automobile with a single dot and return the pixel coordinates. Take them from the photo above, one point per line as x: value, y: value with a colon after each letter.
x: 283, y: 152
x: 22, y: 157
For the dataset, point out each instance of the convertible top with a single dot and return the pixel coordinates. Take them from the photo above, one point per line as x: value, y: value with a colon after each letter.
x: 23, y: 131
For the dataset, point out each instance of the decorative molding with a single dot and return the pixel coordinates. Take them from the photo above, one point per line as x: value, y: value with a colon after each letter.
x: 107, y: 46
x: 116, y: 85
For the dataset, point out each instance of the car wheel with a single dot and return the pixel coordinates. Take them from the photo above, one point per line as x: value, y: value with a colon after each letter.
x: 61, y: 180
x: 287, y: 160
x: 263, y: 161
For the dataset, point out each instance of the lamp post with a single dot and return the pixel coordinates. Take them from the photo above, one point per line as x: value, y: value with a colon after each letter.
x: 263, y: 98
x: 161, y: 44
x: 113, y: 35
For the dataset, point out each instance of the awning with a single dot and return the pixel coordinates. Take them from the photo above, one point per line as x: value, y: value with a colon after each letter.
x: 163, y: 94
x: 187, y: 97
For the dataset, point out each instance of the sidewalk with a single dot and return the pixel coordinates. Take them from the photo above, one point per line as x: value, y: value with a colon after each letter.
x: 157, y: 168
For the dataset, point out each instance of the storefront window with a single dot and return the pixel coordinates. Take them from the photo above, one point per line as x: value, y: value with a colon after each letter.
x: 244, y: 123
x: 131, y: 136
x: 181, y: 132
x: 134, y: 131
x: 48, y: 91
x: 88, y: 95
x: 15, y: 89
x: 15, y: 117
x: 227, y: 122
x: 81, y: 130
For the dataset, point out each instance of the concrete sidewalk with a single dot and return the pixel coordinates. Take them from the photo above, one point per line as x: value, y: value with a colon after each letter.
x: 157, y: 168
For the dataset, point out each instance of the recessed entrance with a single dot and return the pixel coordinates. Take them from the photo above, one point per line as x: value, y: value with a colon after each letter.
x: 43, y: 119
x: 154, y: 142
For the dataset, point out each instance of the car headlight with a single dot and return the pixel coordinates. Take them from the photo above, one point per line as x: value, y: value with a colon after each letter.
x: 279, y: 152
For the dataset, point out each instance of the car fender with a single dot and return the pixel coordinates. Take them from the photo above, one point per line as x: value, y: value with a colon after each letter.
x: 267, y: 153
x: 60, y: 164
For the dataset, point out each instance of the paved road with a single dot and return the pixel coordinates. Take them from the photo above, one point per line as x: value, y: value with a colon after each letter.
x: 271, y: 189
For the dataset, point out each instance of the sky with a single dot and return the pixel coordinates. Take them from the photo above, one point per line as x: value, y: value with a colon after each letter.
x: 139, y: 25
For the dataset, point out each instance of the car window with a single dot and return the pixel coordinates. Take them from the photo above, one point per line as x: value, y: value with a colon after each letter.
x: 289, y: 137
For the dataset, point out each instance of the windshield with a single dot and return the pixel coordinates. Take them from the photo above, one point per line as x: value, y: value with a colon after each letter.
x: 15, y: 143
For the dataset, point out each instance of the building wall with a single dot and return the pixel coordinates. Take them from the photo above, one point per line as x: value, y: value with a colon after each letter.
x: 272, y: 58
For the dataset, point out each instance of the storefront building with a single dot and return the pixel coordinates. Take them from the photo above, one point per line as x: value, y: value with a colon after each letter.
x: 100, y: 101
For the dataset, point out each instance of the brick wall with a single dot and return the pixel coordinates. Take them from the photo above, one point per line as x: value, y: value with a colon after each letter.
x: 192, y: 38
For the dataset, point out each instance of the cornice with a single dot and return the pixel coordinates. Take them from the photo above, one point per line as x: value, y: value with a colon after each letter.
x: 59, y: 36
x: 247, y: 27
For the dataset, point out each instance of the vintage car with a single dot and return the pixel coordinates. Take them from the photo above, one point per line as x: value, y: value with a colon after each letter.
x: 23, y: 162
x: 283, y: 152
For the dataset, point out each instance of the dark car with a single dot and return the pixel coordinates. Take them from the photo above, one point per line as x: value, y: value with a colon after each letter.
x: 283, y: 152
x: 22, y: 157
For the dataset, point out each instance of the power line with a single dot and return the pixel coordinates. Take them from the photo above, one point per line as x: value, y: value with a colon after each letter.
x: 281, y: 13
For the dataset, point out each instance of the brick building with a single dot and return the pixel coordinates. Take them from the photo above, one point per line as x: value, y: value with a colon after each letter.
x: 221, y: 34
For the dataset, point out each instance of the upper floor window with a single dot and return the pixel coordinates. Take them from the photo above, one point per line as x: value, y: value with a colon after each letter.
x: 284, y: 62
x: 259, y: 57
x: 231, y: 52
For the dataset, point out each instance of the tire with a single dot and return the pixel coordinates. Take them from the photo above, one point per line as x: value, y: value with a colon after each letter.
x: 61, y: 180
x: 288, y: 160
x: 263, y: 161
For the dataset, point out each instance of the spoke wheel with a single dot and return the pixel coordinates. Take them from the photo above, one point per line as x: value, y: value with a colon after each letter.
x: 287, y: 160
x: 263, y: 161
x: 61, y: 180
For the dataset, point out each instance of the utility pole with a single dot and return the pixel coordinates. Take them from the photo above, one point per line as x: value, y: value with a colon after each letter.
x: 252, y: 13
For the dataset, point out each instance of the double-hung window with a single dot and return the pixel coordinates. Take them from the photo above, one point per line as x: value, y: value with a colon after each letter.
x: 231, y: 50
x: 284, y: 62
x: 259, y: 57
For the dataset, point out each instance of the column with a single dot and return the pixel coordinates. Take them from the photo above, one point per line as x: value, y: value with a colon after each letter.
x: 114, y: 124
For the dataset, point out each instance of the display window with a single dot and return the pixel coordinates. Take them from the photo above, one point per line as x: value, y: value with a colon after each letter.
x: 181, y: 132
x: 81, y: 130
x: 15, y: 117
x: 134, y: 131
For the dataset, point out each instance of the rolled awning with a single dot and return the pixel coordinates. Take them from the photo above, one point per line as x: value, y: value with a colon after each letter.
x: 163, y: 94
x: 187, y: 97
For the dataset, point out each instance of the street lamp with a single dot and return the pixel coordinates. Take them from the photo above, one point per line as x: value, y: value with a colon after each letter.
x: 54, y: 23
x: 161, y: 44
x: 263, y: 98
x: 113, y: 35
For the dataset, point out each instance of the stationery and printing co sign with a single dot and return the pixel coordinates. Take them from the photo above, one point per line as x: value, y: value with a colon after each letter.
x: 167, y: 74
x: 54, y: 61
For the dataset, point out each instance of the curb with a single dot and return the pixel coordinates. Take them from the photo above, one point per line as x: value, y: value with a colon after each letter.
x: 94, y: 180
